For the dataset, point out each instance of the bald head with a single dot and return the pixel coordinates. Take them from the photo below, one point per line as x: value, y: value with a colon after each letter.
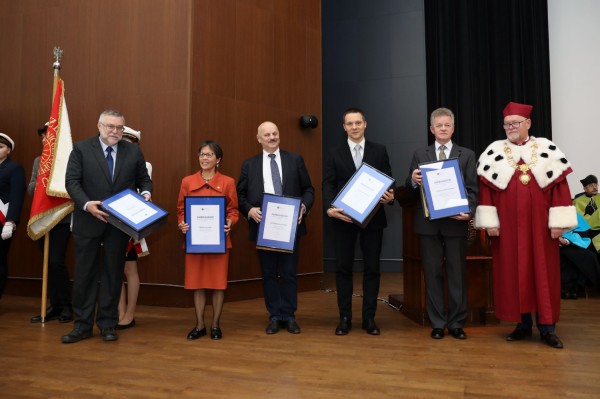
x: 268, y: 136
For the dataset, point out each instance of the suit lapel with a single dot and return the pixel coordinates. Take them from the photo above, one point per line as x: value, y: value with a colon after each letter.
x: 121, y: 156
x: 431, y: 155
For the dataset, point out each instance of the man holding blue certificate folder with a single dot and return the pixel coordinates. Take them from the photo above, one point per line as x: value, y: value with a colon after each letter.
x: 278, y: 172
x: 444, y: 240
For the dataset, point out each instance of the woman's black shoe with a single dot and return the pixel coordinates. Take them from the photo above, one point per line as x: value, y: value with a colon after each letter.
x: 215, y: 333
x: 196, y: 333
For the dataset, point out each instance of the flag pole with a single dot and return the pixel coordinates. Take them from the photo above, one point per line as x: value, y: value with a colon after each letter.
x: 58, y: 54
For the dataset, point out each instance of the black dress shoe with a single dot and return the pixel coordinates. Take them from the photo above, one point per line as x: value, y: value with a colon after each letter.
x: 344, y: 327
x: 216, y: 333
x: 552, y: 340
x: 370, y: 327
x: 519, y: 334
x: 458, y: 333
x: 125, y: 326
x: 293, y: 327
x: 66, y: 315
x: 437, y: 333
x: 109, y: 334
x: 273, y: 326
x: 75, y: 336
x: 51, y: 314
x: 196, y: 333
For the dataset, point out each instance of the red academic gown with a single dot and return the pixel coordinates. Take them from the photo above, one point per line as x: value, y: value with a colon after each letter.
x: 526, y: 260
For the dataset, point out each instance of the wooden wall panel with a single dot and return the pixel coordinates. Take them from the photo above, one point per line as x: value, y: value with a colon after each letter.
x: 273, y: 73
x: 131, y: 55
x: 181, y: 71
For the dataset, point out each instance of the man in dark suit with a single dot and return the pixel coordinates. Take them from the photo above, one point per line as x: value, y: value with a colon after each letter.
x: 340, y: 165
x: 98, y: 168
x: 445, y: 238
x: 275, y: 171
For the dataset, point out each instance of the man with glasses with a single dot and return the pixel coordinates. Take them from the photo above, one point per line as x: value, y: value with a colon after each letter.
x: 340, y: 165
x: 444, y: 241
x: 98, y: 168
x: 525, y: 206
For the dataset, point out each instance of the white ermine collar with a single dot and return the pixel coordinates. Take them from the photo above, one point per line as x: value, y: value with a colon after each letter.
x: 550, y: 165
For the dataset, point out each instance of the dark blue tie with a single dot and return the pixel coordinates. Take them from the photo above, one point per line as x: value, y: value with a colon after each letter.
x: 109, y: 161
x: 277, y: 186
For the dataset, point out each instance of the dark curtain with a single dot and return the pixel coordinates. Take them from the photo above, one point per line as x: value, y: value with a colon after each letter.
x: 481, y: 54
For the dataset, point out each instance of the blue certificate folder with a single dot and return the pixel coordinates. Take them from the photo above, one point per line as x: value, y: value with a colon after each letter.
x: 131, y: 213
x: 279, y: 224
x: 360, y: 196
x: 204, y: 214
x: 443, y: 189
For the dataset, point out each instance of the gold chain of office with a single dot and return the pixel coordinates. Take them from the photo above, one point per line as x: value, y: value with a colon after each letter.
x: 524, y: 168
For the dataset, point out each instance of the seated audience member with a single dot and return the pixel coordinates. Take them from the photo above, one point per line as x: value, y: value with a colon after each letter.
x: 579, y: 265
x: 587, y: 206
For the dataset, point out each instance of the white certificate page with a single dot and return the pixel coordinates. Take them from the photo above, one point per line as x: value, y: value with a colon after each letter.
x: 205, y: 225
x: 132, y: 208
x: 279, y: 220
x: 366, y: 188
x: 444, y: 189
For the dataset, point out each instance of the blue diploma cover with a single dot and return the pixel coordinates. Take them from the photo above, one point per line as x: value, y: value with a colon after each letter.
x: 443, y: 189
x: 360, y: 196
x: 206, y: 218
x: 279, y: 224
x: 131, y: 213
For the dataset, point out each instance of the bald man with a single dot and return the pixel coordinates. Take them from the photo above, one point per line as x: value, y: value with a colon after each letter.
x: 259, y: 176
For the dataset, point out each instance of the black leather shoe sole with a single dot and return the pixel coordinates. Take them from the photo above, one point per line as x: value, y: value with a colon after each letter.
x: 437, y: 333
x: 518, y: 334
x: 552, y: 340
x: 343, y: 328
x: 458, y: 333
x: 216, y: 333
x: 273, y: 327
x: 75, y: 336
x: 196, y: 333
x: 109, y: 335
x: 119, y: 327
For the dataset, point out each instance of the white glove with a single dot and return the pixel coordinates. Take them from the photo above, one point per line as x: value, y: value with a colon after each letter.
x: 7, y: 230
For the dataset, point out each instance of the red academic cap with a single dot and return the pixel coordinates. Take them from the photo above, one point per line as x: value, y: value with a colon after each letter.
x: 523, y: 110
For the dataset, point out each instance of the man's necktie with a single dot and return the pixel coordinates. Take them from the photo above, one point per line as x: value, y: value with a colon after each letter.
x: 590, y: 208
x: 109, y: 161
x: 442, y: 153
x: 357, y: 157
x: 277, y: 186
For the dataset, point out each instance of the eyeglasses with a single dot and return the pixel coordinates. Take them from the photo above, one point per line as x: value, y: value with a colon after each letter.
x: 119, y: 128
x: 206, y: 155
x: 515, y: 124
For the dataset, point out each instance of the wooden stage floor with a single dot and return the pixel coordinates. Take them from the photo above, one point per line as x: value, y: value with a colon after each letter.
x: 154, y: 360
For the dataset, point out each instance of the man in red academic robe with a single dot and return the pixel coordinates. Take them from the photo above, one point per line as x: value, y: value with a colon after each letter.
x: 525, y: 206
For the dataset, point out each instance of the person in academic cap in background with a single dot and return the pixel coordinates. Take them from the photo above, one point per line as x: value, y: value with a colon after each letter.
x: 12, y: 192
x: 59, y: 283
x: 525, y: 206
x: 579, y: 262
x: 135, y: 250
x: 587, y: 206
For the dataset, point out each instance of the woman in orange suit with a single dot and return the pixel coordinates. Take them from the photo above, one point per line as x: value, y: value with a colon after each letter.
x: 208, y: 271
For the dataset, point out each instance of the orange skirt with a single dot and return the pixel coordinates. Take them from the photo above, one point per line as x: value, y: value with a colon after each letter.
x: 206, y: 271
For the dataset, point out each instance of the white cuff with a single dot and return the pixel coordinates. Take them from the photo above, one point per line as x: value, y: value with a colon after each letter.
x: 562, y: 217
x: 486, y: 217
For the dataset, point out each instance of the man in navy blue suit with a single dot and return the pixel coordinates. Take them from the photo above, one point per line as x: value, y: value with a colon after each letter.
x: 288, y: 177
x: 98, y: 168
x: 341, y: 164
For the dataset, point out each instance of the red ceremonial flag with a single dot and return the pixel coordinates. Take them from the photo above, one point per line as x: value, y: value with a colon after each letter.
x: 51, y: 202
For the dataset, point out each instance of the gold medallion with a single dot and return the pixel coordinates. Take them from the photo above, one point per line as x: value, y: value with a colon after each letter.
x: 524, y: 178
